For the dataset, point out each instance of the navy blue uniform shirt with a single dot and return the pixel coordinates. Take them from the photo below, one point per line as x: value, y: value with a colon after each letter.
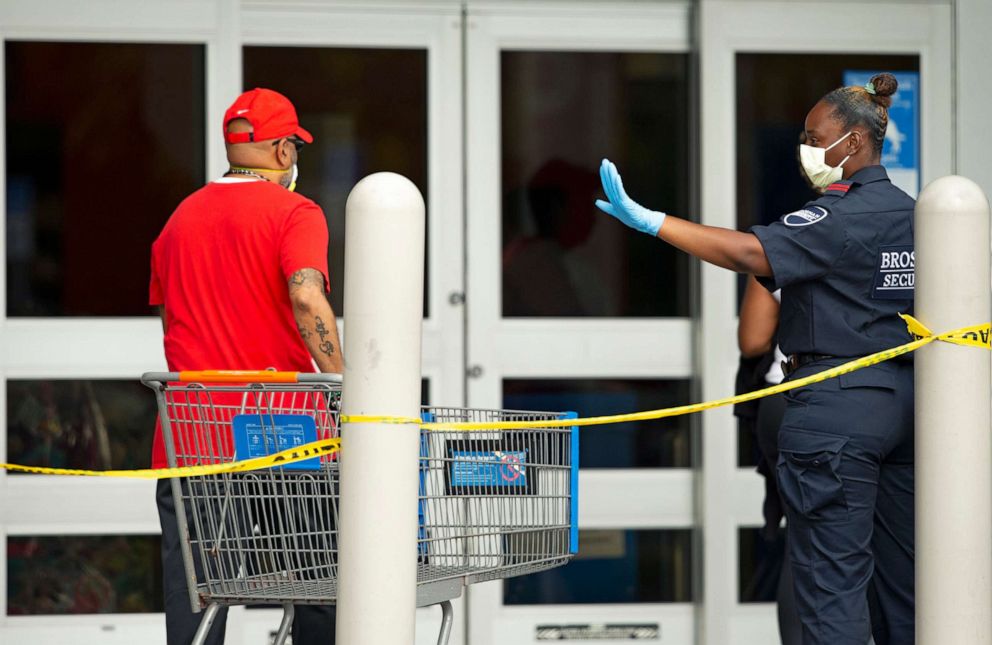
x: 845, y: 264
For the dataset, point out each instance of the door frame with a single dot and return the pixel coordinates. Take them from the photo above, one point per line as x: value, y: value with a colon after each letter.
x: 564, y: 347
x: 728, y: 27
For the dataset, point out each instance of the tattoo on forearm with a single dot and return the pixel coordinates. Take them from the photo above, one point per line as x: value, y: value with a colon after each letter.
x: 306, y: 278
x: 325, y: 346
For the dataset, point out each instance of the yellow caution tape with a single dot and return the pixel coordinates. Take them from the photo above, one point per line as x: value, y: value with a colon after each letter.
x: 976, y: 335
x: 973, y: 336
x: 381, y: 418
x: 299, y: 453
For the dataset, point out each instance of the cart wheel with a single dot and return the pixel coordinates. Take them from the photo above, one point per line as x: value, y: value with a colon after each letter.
x: 288, y: 611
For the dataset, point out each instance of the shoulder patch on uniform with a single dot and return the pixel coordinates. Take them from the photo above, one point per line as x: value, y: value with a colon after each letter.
x: 838, y: 188
x: 806, y: 216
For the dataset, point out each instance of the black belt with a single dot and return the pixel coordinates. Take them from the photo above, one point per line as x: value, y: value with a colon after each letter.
x: 795, y: 361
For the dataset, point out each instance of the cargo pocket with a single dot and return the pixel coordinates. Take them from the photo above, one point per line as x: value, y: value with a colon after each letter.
x: 808, y: 466
x: 874, y: 376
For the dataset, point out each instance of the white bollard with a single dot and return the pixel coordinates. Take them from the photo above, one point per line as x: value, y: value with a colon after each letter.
x: 953, y: 440
x: 383, y: 313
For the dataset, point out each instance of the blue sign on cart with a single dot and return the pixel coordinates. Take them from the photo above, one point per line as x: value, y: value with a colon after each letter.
x: 262, y: 435
x: 489, y: 468
x: 901, y: 150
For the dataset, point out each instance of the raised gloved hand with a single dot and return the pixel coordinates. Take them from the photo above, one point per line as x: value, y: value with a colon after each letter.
x: 623, y: 207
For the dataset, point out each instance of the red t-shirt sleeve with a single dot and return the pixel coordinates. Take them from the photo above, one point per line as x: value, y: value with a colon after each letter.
x: 155, y: 296
x: 304, y: 242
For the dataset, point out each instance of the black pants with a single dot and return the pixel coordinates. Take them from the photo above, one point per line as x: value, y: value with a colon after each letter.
x: 312, y: 625
x: 770, y: 412
x: 845, y: 471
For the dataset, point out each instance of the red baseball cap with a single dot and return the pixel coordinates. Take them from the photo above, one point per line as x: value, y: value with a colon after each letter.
x: 271, y: 115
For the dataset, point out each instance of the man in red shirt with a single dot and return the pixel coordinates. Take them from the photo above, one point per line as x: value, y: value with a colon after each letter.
x: 239, y: 274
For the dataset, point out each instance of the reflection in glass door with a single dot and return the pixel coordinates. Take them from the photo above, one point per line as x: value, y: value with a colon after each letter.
x: 63, y: 227
x: 568, y: 310
x: 561, y: 112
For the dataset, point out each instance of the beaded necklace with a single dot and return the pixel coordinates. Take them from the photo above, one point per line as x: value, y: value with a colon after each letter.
x: 245, y: 171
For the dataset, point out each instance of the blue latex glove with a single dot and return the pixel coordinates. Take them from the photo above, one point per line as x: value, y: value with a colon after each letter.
x: 623, y: 207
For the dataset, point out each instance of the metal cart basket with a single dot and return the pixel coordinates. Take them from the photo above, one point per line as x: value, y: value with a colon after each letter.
x: 492, y: 504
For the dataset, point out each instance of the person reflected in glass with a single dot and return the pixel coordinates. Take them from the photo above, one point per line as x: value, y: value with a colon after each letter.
x: 540, y: 276
x: 845, y: 465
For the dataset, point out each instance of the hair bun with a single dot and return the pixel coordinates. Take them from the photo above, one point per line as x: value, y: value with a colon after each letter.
x: 885, y: 85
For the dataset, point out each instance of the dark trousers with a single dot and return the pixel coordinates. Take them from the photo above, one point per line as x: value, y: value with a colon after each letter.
x: 845, y: 471
x: 312, y: 624
x: 770, y: 412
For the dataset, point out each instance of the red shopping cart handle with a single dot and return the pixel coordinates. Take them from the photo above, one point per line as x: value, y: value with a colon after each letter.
x: 238, y: 376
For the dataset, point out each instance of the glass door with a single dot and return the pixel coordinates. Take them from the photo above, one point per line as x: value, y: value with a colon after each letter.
x: 763, y: 66
x: 569, y: 310
x: 380, y: 89
x: 107, y: 125
x: 103, y: 129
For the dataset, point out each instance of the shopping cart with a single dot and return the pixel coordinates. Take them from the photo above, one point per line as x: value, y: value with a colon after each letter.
x: 492, y: 504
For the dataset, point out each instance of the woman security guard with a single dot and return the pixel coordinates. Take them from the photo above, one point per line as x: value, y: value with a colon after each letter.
x: 844, y: 263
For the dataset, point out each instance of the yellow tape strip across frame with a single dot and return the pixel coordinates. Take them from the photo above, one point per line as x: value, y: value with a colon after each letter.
x: 975, y: 335
x: 299, y: 453
x: 972, y: 336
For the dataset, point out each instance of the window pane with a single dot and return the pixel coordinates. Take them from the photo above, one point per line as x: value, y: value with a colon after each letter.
x: 367, y: 111
x: 614, y: 566
x: 562, y: 112
x: 774, y: 94
x: 645, y: 444
x: 95, y: 425
x: 119, y: 574
x: 761, y: 558
x: 103, y: 142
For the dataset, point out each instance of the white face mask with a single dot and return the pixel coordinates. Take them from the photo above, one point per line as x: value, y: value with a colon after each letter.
x: 820, y: 173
